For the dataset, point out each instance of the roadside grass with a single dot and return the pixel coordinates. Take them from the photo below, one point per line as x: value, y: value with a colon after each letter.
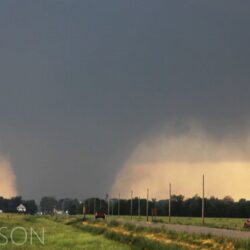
x: 160, y: 238
x: 59, y: 234
x: 226, y: 223
x: 133, y: 238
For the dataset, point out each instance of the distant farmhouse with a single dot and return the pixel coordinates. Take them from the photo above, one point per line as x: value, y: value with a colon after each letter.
x: 21, y: 208
x: 58, y: 211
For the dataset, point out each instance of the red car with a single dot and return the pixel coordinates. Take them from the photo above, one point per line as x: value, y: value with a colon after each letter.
x: 100, y: 214
x: 247, y: 223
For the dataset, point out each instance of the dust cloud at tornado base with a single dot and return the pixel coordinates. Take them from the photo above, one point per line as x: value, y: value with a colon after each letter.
x: 7, y: 178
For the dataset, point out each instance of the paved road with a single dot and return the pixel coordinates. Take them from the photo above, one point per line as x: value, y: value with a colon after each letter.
x: 236, y: 234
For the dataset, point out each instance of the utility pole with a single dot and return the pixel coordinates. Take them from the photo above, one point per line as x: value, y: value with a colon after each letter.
x: 112, y: 206
x: 119, y: 205
x: 89, y: 207
x: 100, y: 203
x: 203, y: 194
x: 169, y: 204
x: 152, y: 210
x: 108, y: 205
x: 139, y: 209
x: 131, y: 207
x: 147, y: 204
x: 94, y: 204
x: 84, y: 210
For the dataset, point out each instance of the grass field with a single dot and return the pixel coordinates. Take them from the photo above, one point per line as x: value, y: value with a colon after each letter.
x: 227, y: 223
x: 69, y: 232
x: 58, y: 235
x: 161, y: 238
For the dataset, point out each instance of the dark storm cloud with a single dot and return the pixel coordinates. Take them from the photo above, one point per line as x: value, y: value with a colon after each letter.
x: 83, y: 82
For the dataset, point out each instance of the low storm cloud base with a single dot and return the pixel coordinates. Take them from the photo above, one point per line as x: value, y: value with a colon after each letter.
x: 182, y: 159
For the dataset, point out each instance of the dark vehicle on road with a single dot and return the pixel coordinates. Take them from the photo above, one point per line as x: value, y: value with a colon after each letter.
x: 100, y: 214
x: 247, y: 223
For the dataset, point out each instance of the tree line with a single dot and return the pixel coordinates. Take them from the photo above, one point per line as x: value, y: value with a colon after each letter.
x: 10, y: 205
x: 214, y: 207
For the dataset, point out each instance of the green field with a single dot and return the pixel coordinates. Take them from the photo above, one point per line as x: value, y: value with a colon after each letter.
x: 69, y: 232
x: 227, y: 223
x: 58, y: 235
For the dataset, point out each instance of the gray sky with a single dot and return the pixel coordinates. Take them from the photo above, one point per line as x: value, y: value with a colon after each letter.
x: 83, y: 82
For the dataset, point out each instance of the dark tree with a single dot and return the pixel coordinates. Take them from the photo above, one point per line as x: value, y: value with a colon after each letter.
x: 30, y: 206
x: 48, y: 204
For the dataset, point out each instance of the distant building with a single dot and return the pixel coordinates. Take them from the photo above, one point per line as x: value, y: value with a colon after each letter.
x: 21, y: 208
x: 58, y: 211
